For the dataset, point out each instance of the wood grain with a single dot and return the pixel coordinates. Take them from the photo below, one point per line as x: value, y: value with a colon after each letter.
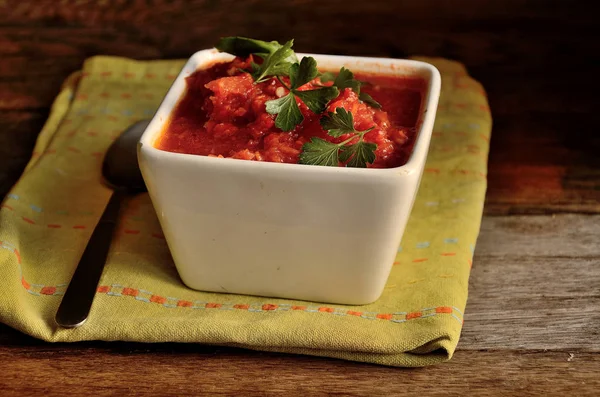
x: 525, y: 52
x: 175, y: 370
x: 537, y: 275
x: 557, y: 236
x: 532, y: 323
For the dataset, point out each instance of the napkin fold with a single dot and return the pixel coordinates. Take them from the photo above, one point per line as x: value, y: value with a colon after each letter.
x: 47, y: 219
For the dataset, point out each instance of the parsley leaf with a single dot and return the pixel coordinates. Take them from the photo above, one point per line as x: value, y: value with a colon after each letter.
x: 317, y: 100
x: 345, y: 79
x: 359, y: 154
x: 339, y: 123
x: 287, y: 111
x: 327, y: 77
x: 254, y: 68
x: 276, y: 64
x: 320, y: 152
x: 304, y: 72
x: 280, y: 60
x: 368, y: 99
x: 243, y: 46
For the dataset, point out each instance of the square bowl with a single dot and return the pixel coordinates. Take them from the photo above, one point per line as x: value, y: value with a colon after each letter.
x: 326, y: 234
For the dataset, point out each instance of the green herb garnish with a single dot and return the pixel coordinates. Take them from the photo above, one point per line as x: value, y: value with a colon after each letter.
x: 275, y: 64
x: 286, y: 108
x: 368, y: 99
x: 339, y: 123
x: 327, y: 77
x: 280, y: 61
x: 345, y: 79
x: 360, y: 154
x: 243, y: 46
x: 321, y: 152
x: 287, y: 111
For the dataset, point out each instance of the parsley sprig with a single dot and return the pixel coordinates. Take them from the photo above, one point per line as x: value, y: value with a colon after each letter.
x: 280, y: 61
x: 286, y: 108
x: 275, y: 64
x: 345, y: 79
x: 321, y: 152
x: 243, y: 46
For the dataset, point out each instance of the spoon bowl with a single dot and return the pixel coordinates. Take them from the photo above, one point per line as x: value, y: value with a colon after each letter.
x: 120, y: 166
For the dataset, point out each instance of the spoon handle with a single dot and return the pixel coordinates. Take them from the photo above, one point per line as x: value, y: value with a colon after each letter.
x: 78, y: 298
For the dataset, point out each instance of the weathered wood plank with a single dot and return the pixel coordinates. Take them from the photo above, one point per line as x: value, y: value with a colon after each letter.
x: 544, y: 146
x: 533, y: 303
x: 535, y: 284
x: 558, y: 236
x: 543, y: 164
x: 175, y: 370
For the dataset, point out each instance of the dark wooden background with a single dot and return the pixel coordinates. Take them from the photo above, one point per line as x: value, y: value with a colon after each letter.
x: 538, y: 60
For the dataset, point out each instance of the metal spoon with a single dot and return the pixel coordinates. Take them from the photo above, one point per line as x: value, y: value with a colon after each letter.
x: 121, y: 172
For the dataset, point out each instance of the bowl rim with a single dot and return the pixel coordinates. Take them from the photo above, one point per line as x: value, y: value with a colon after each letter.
x: 415, y: 161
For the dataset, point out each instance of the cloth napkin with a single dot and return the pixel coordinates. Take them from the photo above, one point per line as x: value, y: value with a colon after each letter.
x: 47, y: 219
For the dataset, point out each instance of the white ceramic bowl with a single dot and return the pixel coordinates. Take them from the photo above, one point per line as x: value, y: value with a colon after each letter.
x: 315, y: 233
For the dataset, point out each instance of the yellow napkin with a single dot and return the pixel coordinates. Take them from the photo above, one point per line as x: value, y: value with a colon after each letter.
x: 47, y: 218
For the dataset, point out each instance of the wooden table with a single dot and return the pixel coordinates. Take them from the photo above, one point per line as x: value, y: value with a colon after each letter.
x: 532, y: 322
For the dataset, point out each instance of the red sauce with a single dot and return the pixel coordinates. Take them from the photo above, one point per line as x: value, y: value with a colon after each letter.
x: 223, y: 114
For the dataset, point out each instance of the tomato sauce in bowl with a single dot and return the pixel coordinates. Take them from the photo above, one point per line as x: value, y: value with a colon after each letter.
x: 222, y: 114
x: 315, y: 233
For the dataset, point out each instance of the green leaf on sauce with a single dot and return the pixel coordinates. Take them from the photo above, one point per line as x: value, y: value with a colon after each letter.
x: 287, y: 111
x: 359, y: 154
x: 339, y: 123
x: 243, y: 46
x: 317, y: 100
x: 280, y: 60
x: 320, y: 152
x: 327, y: 77
x: 276, y: 64
x: 345, y: 79
x: 304, y: 72
x: 368, y: 99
